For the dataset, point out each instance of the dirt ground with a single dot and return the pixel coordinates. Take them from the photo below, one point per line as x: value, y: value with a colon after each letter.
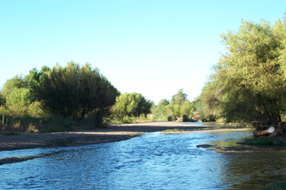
x: 101, y: 135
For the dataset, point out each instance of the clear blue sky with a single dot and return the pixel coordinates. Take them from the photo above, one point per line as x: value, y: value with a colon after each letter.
x: 153, y: 47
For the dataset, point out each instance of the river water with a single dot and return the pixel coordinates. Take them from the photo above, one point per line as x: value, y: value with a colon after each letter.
x: 151, y: 161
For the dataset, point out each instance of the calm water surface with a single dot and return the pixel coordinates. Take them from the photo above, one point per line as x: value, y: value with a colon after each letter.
x: 151, y: 161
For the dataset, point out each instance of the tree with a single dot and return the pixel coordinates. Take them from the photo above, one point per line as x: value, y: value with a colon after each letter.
x: 133, y: 104
x: 251, y: 75
x: 19, y: 97
x: 177, y: 110
x: 15, y: 82
x: 199, y: 113
x: 159, y: 110
x: 2, y: 99
x: 75, y: 91
x: 179, y: 98
x: 35, y: 77
x: 186, y: 110
x: 211, y: 97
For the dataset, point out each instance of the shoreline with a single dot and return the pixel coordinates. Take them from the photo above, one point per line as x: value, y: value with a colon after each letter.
x: 111, y: 133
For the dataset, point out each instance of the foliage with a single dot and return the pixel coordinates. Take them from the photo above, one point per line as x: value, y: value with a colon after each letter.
x: 169, y: 112
x: 86, y: 91
x: 198, y: 109
x: 11, y: 84
x: 210, y: 99
x: 35, y: 110
x: 2, y: 99
x: 178, y: 109
x: 75, y: 91
x: 35, y: 77
x: 19, y: 97
x: 179, y: 98
x: 186, y: 110
x: 158, y: 111
x: 180, y: 106
x: 132, y: 104
x: 249, y: 80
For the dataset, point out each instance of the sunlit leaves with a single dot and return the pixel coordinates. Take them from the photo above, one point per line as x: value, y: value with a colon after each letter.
x: 251, y: 75
x: 19, y: 97
x: 132, y: 104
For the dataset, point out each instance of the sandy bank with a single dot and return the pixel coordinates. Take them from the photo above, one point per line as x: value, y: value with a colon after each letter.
x: 109, y: 134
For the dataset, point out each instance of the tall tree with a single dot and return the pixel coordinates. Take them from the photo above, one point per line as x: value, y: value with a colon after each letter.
x: 75, y: 91
x: 179, y: 98
x: 251, y: 75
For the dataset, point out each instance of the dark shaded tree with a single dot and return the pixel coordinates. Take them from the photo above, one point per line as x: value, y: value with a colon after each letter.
x: 2, y: 99
x: 75, y: 91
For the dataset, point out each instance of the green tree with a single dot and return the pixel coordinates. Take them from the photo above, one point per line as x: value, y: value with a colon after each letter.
x: 34, y: 78
x: 186, y: 110
x: 199, y: 113
x: 19, y: 97
x: 169, y: 112
x: 133, y: 104
x: 251, y: 74
x: 211, y: 97
x: 179, y: 98
x: 76, y: 91
x: 11, y: 84
x: 177, y: 110
x: 159, y: 110
x: 2, y: 99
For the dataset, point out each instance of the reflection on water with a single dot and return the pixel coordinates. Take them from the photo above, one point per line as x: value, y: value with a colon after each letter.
x: 152, y: 161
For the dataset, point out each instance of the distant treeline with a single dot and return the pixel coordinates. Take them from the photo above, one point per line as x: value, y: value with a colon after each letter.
x: 248, y: 84
x: 60, y: 98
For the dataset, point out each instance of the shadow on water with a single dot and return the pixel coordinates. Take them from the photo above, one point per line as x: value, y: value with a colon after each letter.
x: 151, y: 161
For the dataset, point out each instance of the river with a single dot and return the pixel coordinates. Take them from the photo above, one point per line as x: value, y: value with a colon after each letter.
x: 151, y: 161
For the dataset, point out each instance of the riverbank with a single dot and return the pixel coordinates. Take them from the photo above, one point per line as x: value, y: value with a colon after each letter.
x: 111, y: 133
